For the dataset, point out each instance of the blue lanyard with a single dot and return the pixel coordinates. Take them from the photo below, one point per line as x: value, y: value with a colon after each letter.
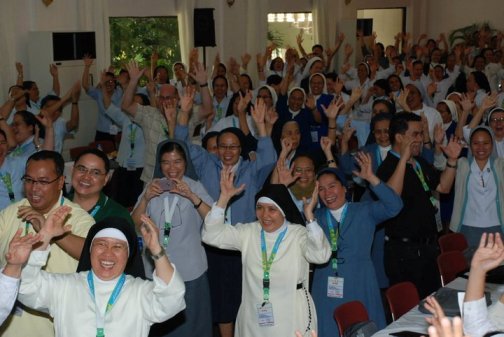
x: 100, y: 320
x: 378, y: 155
x: 266, y: 263
x: 334, y: 235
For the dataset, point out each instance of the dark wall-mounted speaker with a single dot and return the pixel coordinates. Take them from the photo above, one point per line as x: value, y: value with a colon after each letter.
x: 204, y: 27
x: 366, y: 26
x: 73, y: 45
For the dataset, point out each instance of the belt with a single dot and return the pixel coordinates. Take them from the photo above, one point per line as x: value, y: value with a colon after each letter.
x: 299, y: 286
x: 427, y: 240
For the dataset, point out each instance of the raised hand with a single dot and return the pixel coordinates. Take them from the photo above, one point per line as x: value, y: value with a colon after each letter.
x: 20, y: 248
x: 448, y: 328
x: 227, y: 188
x: 310, y: 101
x: 187, y: 99
x: 134, y: 71
x: 366, y: 165
x: 452, y: 149
x: 489, y: 101
x: 258, y: 111
x: 150, y: 234
x: 466, y: 103
x: 245, y: 59
x: 308, y: 207
x: 286, y: 147
x: 326, y: 144
x: 54, y: 225
x: 286, y: 176
x: 405, y: 151
x: 489, y: 254
x: 271, y: 116
x: 181, y: 188
x: 402, y: 100
x: 334, y: 108
x: 200, y: 74
x: 348, y: 130
x: 53, y: 70
x: 435, y: 309
x: 44, y: 119
x: 19, y: 68
x: 439, y: 134
x: 355, y: 94
x: 243, y: 101
x: 170, y: 112
x: 88, y: 61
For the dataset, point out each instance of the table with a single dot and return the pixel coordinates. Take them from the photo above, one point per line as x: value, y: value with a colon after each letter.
x: 414, y: 320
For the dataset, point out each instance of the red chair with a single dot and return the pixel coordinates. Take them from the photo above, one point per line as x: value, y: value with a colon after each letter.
x: 107, y: 146
x: 450, y: 264
x: 401, y: 298
x: 348, y: 314
x: 452, y: 241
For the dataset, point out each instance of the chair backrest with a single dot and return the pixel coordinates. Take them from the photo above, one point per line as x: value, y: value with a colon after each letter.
x: 450, y: 264
x: 401, y: 298
x: 76, y: 151
x: 452, y: 241
x: 348, y: 314
x: 106, y: 146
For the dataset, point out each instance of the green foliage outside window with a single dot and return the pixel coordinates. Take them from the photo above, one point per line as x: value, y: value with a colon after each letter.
x: 136, y: 38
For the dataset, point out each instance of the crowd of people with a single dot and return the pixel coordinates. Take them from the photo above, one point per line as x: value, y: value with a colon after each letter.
x: 227, y: 192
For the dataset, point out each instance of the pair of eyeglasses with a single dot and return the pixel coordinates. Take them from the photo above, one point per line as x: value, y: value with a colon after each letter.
x: 495, y: 119
x: 95, y: 173
x: 30, y: 181
x: 229, y: 147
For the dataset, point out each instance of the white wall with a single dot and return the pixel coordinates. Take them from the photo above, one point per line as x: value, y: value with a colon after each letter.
x: 386, y: 23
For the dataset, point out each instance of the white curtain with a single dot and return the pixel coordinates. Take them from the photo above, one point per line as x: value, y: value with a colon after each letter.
x: 93, y: 16
x: 185, y: 14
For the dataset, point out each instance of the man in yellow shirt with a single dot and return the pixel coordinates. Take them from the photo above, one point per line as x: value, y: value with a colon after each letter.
x: 43, y: 182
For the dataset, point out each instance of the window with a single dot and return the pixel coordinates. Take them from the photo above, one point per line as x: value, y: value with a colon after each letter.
x: 135, y: 38
x: 283, y: 29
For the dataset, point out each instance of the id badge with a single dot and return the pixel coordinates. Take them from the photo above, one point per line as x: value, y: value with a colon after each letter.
x: 335, y: 287
x: 265, y: 314
x: 314, y: 136
x: 131, y: 164
x: 114, y: 130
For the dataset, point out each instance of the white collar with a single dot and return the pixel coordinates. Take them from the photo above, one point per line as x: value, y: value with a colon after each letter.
x: 336, y: 213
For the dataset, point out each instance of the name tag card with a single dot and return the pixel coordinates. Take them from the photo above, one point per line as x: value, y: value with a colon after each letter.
x: 335, y: 287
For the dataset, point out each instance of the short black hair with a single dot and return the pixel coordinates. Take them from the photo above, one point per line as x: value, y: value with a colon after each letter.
x: 317, y: 46
x: 32, y: 121
x: 27, y: 85
x: 55, y: 157
x: 331, y: 76
x: 171, y: 147
x: 399, y: 124
x: 219, y: 77
x: 274, y: 79
x: 158, y: 68
x: 49, y: 98
x: 97, y: 152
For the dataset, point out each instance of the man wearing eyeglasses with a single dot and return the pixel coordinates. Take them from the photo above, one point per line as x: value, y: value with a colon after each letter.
x: 89, y: 176
x: 43, y: 181
x: 153, y: 119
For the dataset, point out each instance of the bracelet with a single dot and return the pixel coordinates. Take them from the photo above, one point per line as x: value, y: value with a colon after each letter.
x: 330, y: 128
x: 330, y: 161
x: 199, y: 204
x: 159, y: 255
x: 204, y: 85
x: 451, y: 166
x: 309, y: 221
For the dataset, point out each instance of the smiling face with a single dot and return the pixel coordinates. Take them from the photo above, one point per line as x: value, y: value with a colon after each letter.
x: 173, y: 165
x: 229, y: 148
x: 497, y: 124
x: 42, y: 197
x: 415, y: 132
x: 414, y: 98
x: 317, y: 85
x: 394, y: 83
x: 305, y: 167
x: 108, y: 258
x: 296, y: 100
x: 220, y: 88
x: 381, y: 133
x: 481, y: 145
x: 21, y: 130
x: 291, y: 130
x: 445, y: 112
x: 331, y: 191
x: 269, y: 217
x: 89, y: 176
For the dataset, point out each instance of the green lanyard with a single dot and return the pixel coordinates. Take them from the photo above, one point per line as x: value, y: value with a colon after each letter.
x: 100, y: 320
x: 132, y: 137
x: 334, y: 235
x: 165, y: 129
x: 266, y: 263
x: 168, y: 215
x: 7, y: 180
x: 419, y: 173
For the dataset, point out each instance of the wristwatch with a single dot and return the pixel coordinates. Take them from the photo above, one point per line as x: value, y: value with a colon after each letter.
x: 158, y: 255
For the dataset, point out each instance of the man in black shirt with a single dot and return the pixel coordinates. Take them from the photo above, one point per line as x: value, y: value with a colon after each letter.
x: 411, y: 237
